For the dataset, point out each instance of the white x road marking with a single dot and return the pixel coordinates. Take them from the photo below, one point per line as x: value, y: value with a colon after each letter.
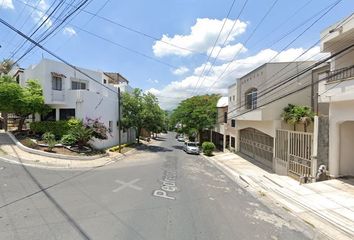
x: 128, y: 184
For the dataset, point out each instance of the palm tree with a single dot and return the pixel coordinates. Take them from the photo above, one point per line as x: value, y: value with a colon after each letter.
x: 294, y: 114
x: 6, y: 66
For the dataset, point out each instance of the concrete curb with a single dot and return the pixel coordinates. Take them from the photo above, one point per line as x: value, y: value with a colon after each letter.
x: 53, y: 155
x: 235, y: 176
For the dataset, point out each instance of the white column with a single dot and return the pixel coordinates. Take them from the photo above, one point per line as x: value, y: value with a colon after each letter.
x: 334, y: 148
x: 57, y: 114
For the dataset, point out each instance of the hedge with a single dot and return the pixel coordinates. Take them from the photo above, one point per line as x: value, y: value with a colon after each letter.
x: 58, y: 128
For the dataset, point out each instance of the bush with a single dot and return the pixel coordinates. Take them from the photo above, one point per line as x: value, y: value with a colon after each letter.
x: 82, y: 135
x: 58, y: 128
x: 49, y: 138
x: 208, y: 148
x: 68, y: 139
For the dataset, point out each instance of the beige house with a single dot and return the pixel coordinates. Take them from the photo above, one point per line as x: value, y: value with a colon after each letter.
x: 261, y: 96
x: 336, y: 93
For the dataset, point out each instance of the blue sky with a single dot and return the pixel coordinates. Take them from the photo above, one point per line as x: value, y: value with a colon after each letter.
x: 167, y: 71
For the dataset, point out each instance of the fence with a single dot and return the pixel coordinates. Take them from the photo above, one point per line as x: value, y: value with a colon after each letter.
x: 293, y: 153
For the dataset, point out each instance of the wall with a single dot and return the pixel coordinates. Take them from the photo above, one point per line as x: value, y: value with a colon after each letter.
x: 323, y: 141
x: 346, y: 162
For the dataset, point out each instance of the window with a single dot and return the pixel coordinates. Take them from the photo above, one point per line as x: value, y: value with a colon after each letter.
x: 251, y: 98
x: 104, y: 81
x: 66, y: 113
x: 57, y: 83
x: 51, y: 116
x: 233, y: 123
x: 232, y: 142
x: 78, y: 85
x: 18, y: 78
x: 225, y: 117
x: 233, y: 98
x: 110, y: 126
x: 230, y: 98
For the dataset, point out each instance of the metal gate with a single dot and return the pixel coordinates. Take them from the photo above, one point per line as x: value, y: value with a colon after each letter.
x: 257, y: 145
x: 293, y: 153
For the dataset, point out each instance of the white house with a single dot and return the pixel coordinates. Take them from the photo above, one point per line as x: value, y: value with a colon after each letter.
x: 337, y: 91
x: 72, y: 94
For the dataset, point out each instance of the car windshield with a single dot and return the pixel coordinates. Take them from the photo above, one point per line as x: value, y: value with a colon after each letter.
x: 192, y: 145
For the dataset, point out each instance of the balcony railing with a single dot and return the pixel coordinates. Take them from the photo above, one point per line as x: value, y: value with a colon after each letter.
x: 341, y: 74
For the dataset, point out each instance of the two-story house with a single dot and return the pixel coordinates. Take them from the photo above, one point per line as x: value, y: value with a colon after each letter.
x: 218, y: 133
x: 336, y: 94
x: 72, y: 94
x: 261, y: 98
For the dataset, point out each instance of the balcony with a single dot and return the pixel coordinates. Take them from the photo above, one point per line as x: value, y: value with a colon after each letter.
x: 341, y: 74
x: 57, y: 96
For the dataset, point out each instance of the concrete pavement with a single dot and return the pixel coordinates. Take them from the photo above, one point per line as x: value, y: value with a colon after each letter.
x: 328, y: 205
x: 119, y: 201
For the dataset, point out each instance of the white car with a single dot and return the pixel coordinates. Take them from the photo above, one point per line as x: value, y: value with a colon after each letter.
x: 191, y: 147
x: 180, y: 139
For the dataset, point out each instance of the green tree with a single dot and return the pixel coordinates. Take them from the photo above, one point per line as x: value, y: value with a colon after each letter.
x: 21, y: 101
x: 198, y: 112
x: 133, y: 105
x: 294, y: 114
x: 142, y: 110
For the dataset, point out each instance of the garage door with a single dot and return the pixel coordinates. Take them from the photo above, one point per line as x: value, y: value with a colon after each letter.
x: 257, y: 145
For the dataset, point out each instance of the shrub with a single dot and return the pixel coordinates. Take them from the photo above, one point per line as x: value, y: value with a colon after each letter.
x: 58, y: 128
x: 73, y: 122
x: 49, y: 138
x: 99, y: 130
x: 208, y: 148
x: 68, y: 139
x: 82, y: 135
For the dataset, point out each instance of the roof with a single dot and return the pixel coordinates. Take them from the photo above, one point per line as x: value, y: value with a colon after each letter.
x: 223, y: 102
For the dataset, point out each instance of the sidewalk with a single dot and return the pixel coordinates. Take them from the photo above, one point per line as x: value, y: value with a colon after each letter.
x: 327, y: 206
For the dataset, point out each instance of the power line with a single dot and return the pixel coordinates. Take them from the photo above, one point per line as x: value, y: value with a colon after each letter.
x: 296, y: 76
x: 223, y: 45
x: 250, y: 36
x: 51, y: 53
x: 271, y: 77
x: 62, y: 21
x: 216, y: 41
x: 120, y: 45
x: 332, y: 6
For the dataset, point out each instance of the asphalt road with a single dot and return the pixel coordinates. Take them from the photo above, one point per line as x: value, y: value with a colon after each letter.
x: 159, y: 192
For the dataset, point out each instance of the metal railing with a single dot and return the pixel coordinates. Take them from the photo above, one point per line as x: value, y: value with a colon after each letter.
x: 340, y: 74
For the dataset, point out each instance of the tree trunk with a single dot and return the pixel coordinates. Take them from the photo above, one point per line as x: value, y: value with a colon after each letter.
x: 21, y: 123
x: 305, y: 127
x: 294, y: 127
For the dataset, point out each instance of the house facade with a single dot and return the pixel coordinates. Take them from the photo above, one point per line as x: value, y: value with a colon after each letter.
x: 72, y: 94
x: 336, y: 95
x: 218, y: 134
x: 261, y: 96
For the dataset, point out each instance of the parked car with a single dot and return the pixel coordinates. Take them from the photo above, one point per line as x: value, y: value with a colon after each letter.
x: 191, y: 147
x: 180, y: 138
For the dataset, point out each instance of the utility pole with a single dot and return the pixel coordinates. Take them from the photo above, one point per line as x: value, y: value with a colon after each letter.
x: 119, y: 122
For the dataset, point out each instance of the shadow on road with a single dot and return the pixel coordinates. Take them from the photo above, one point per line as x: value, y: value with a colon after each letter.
x: 160, y: 139
x: 154, y: 149
x: 178, y: 147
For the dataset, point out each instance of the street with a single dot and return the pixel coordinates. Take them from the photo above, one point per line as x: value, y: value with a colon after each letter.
x: 159, y: 192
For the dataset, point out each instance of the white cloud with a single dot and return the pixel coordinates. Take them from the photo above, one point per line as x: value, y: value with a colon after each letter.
x: 180, y: 71
x: 153, y: 81
x: 201, y: 37
x: 170, y: 95
x: 6, y: 4
x: 39, y: 15
x: 228, y: 52
x: 69, y: 31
